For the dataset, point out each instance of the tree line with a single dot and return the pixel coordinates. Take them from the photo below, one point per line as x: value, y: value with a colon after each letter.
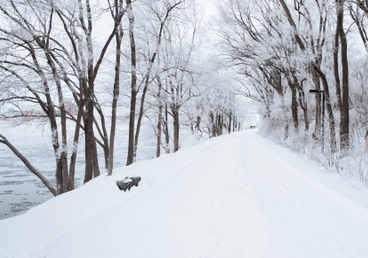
x: 299, y: 58
x: 79, y: 64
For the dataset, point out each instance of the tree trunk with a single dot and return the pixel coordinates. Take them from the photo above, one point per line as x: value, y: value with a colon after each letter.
x: 330, y: 114
x: 336, y: 66
x: 293, y: 25
x: 118, y: 39
x: 294, y: 102
x: 220, y: 124
x: 303, y: 103
x: 230, y: 122
x: 176, y: 124
x: 141, y: 114
x: 159, y: 118
x: 166, y: 130
x: 213, y: 131
x: 73, y: 158
x: 151, y: 61
x: 344, y: 115
x: 294, y: 109
x: 159, y: 132
x: 102, y: 131
x: 91, y: 159
x: 318, y: 124
x: 133, y: 87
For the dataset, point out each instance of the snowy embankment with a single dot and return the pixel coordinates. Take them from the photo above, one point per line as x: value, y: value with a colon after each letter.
x: 234, y: 196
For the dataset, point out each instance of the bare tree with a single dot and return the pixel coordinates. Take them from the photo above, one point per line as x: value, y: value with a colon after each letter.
x: 133, y: 97
x: 344, y: 98
x: 87, y: 70
x: 163, y: 12
x: 116, y: 11
x: 57, y: 50
x: 256, y: 38
x: 359, y: 13
x: 36, y: 44
x: 177, y: 56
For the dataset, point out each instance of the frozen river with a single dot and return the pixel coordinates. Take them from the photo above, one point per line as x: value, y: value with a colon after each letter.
x: 21, y: 190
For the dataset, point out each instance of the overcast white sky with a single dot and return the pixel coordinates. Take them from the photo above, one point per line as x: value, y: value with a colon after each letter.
x: 208, y: 7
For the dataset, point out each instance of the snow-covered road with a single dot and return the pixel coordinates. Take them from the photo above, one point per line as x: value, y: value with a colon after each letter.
x: 236, y: 196
x: 304, y: 217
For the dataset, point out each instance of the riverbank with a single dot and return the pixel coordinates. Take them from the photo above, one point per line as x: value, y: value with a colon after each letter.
x: 20, y: 190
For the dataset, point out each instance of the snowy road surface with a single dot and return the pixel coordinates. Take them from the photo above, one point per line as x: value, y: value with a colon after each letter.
x: 237, y: 196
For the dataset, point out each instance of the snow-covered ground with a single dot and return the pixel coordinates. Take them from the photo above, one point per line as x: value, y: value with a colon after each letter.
x: 233, y: 196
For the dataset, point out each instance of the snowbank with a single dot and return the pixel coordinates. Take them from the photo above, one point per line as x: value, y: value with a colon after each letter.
x: 234, y: 196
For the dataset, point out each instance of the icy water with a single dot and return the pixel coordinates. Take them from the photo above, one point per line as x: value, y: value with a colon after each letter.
x: 20, y: 190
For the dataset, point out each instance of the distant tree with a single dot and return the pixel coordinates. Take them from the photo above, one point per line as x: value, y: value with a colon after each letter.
x: 162, y: 11
x: 178, y: 70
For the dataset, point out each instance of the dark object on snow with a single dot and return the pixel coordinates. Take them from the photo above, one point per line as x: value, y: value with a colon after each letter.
x: 128, y: 182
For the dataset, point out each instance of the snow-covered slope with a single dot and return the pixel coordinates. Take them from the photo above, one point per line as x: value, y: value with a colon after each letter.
x: 234, y: 196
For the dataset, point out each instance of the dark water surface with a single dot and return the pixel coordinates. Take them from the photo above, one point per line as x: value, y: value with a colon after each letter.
x: 20, y: 189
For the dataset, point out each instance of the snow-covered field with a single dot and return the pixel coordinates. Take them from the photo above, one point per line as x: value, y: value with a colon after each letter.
x: 233, y: 196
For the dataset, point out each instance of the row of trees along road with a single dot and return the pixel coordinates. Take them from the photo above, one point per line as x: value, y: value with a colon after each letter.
x: 284, y: 48
x: 73, y: 62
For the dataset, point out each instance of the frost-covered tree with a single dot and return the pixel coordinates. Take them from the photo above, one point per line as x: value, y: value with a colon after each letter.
x: 283, y: 49
x: 289, y: 39
x: 178, y: 71
x: 155, y: 15
x: 50, y: 53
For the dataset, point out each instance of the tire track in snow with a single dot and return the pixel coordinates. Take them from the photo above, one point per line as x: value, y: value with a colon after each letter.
x: 220, y: 221
x: 305, y: 218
